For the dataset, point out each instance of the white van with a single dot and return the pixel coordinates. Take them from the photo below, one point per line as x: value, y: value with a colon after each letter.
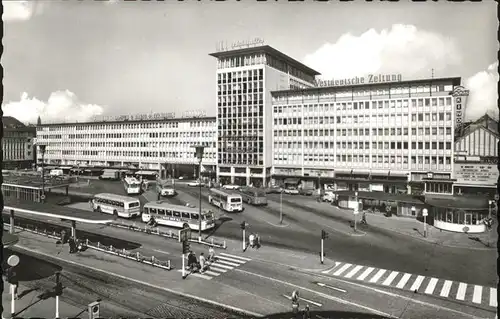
x: 56, y: 172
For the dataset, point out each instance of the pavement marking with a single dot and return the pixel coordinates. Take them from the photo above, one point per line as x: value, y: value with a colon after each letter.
x: 462, y: 287
x: 366, y: 273
x: 195, y: 274
x: 109, y: 273
x: 431, y: 286
x: 339, y: 300
x: 331, y: 287
x: 235, y: 257
x: 493, y: 297
x: 217, y: 264
x: 445, y: 291
x: 330, y: 269
x: 161, y: 251
x: 342, y: 269
x: 215, y: 274
x: 478, y: 293
x: 377, y: 276
x: 390, y: 279
x: 317, y: 304
x: 417, y: 283
x: 401, y: 284
x: 224, y: 262
x: 217, y: 269
x: 353, y: 271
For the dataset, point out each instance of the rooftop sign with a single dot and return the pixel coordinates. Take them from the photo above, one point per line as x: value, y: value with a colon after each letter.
x: 369, y: 79
x: 223, y: 46
x: 139, y: 117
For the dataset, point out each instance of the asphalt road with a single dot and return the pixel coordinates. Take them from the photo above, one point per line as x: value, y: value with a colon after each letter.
x: 120, y: 298
x: 379, y: 248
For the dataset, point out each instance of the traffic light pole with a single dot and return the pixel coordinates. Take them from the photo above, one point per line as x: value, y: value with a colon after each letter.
x: 12, y: 301
x: 183, y: 265
x: 244, y: 240
x: 57, y: 296
x: 322, y: 250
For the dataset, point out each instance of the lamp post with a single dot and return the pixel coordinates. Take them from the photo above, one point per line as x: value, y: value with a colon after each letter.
x: 425, y: 213
x: 356, y: 210
x: 42, y: 150
x: 281, y: 205
x: 199, y: 156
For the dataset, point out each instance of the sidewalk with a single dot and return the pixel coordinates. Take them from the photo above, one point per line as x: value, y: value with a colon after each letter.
x: 30, y: 305
x: 412, y: 227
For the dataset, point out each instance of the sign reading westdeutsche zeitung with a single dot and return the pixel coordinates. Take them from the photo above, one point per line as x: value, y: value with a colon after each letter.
x: 369, y: 79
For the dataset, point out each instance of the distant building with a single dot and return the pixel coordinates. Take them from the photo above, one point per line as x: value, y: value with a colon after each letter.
x: 476, y: 157
x: 17, y: 144
x: 141, y: 142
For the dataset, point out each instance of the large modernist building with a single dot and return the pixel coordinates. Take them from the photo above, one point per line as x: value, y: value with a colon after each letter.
x: 381, y: 136
x: 245, y: 79
x: 144, y: 142
x: 17, y: 144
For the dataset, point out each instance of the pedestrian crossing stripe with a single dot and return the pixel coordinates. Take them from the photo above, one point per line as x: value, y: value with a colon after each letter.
x: 429, y: 285
x: 223, y: 263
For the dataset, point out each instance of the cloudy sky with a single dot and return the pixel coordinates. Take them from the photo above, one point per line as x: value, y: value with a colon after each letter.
x: 71, y: 60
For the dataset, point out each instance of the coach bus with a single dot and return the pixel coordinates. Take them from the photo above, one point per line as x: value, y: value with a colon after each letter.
x: 253, y: 196
x: 118, y: 205
x: 226, y: 200
x: 163, y: 213
x: 132, y: 185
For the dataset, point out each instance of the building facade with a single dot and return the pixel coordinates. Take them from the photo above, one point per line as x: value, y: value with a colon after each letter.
x: 367, y: 137
x: 245, y: 79
x: 147, y: 144
x: 18, y: 144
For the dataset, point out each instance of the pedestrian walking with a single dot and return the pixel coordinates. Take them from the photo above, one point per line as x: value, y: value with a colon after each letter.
x: 257, y: 241
x: 211, y: 254
x: 202, y: 263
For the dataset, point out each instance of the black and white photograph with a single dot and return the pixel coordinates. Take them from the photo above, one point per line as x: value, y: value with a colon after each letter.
x: 249, y: 159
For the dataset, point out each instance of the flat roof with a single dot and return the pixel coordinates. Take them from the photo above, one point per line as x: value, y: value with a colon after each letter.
x: 55, y: 211
x: 458, y: 202
x: 383, y: 196
x: 454, y: 80
x: 180, y: 119
x: 266, y: 49
x: 33, y: 181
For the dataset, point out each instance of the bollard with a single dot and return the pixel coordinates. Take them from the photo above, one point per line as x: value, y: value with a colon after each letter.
x: 111, y: 247
x: 123, y: 251
x: 153, y: 260
x: 98, y: 244
x: 138, y: 256
x: 168, y: 264
x: 170, y: 234
x: 158, y: 230
x: 212, y: 241
x: 87, y: 241
x: 224, y: 245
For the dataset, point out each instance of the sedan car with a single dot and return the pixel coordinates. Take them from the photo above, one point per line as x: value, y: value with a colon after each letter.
x: 274, y: 190
x: 195, y: 183
x: 230, y: 186
x: 291, y: 191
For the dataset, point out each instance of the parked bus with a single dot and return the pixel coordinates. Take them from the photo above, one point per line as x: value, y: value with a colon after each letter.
x: 253, y: 196
x: 226, y: 200
x: 132, y: 185
x: 167, y: 214
x: 117, y: 205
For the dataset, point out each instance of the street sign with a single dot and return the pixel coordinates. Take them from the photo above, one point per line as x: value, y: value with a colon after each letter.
x: 13, y: 260
x: 425, y: 213
x: 184, y: 234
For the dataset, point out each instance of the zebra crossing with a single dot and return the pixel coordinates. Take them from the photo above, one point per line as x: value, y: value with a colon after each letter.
x: 428, y: 285
x: 223, y: 263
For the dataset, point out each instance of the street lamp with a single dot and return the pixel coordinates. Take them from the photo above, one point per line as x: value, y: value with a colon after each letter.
x: 42, y: 148
x: 199, y: 156
x: 355, y: 210
x: 425, y: 213
x: 281, y: 205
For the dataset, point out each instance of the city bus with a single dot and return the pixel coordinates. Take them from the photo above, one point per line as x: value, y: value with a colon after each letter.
x: 118, y: 205
x: 253, y: 196
x: 132, y: 185
x: 167, y: 214
x: 226, y: 200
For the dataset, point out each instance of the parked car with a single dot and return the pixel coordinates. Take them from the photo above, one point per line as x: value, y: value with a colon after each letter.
x: 273, y: 190
x: 291, y: 191
x: 306, y: 191
x: 231, y: 186
x: 195, y: 183
x: 328, y: 197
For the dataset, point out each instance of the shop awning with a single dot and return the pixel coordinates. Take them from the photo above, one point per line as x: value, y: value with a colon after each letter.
x: 292, y: 181
x: 458, y: 202
x: 382, y: 196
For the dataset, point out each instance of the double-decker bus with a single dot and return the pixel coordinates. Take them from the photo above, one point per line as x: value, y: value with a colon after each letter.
x: 132, y: 185
x: 118, y: 205
x: 253, y: 196
x: 226, y: 200
x: 163, y: 213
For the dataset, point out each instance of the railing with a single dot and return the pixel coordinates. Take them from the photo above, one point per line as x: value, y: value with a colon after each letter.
x: 136, y: 256
x: 167, y: 234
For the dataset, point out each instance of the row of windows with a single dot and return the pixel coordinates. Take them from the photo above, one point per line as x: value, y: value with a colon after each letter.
x: 339, y: 92
x: 240, y: 86
x: 129, y: 135
x: 156, y: 154
x: 380, y: 159
x: 366, y: 132
x: 415, y: 104
x: 124, y: 126
x: 364, y: 145
x: 256, y: 98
